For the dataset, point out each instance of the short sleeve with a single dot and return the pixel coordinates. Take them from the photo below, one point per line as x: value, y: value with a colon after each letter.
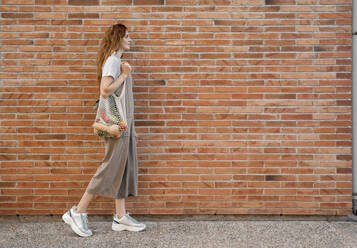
x: 111, y: 68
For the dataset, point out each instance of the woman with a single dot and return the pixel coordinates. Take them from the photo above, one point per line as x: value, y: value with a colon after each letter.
x: 117, y: 175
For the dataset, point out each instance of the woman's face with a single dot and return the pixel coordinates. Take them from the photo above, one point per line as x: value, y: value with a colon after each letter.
x: 126, y: 41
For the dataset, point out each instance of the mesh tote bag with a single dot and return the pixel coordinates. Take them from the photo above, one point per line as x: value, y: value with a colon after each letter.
x: 111, y: 120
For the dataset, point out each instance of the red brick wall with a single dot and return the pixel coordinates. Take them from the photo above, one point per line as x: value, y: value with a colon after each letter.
x: 242, y: 106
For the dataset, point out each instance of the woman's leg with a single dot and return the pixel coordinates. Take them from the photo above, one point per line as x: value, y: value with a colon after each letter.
x: 120, y: 207
x: 83, y: 204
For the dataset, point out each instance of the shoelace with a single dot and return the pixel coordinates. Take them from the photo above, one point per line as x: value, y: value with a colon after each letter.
x: 132, y: 219
x: 84, y: 221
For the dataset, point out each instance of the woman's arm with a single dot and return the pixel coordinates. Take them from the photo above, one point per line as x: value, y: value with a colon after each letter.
x: 108, y: 85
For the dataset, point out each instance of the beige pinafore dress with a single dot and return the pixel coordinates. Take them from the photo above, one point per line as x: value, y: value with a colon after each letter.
x: 116, y: 177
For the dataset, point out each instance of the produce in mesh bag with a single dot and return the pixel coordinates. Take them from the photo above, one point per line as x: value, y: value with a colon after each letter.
x: 112, y: 130
x: 110, y: 120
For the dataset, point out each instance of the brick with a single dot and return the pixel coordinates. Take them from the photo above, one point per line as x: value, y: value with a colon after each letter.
x: 51, y: 2
x: 16, y: 15
x: 21, y: 2
x: 116, y: 2
x: 148, y: 2
x: 7, y: 184
x: 87, y: 2
x: 280, y: 2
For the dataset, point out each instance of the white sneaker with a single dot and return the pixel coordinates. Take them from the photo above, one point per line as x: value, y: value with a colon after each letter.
x: 78, y: 222
x: 127, y: 223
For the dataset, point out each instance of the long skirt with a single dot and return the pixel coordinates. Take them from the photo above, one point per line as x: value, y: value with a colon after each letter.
x: 116, y: 177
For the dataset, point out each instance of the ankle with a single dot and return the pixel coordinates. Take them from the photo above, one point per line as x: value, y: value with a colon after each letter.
x: 79, y: 211
x: 120, y: 215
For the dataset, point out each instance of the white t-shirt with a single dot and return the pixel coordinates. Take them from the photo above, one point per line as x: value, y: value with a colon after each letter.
x: 111, y: 67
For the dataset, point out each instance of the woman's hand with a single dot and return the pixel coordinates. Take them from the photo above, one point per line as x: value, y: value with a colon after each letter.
x: 125, y: 67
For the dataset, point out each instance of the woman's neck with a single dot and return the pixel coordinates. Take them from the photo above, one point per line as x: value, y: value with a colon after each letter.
x: 118, y: 53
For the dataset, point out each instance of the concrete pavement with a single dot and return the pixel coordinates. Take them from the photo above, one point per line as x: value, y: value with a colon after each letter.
x: 184, y: 231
